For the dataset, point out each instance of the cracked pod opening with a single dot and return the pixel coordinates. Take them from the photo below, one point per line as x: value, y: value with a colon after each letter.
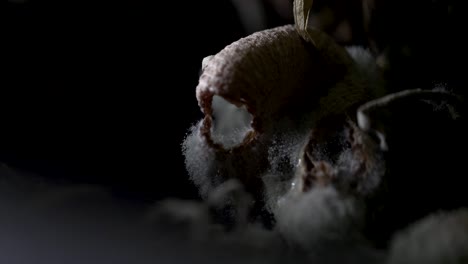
x: 231, y: 124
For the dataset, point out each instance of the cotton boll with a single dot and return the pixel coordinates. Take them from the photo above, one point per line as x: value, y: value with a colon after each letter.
x: 438, y: 239
x: 248, y: 117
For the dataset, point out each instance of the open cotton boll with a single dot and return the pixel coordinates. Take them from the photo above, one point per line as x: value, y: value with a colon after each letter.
x: 279, y: 144
x: 253, y: 87
x: 438, y: 239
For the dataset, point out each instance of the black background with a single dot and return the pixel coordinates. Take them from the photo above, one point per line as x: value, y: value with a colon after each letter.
x: 104, y: 91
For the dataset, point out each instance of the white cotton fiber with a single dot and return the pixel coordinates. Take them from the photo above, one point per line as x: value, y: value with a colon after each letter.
x: 200, y: 160
x: 283, y: 157
x: 230, y: 123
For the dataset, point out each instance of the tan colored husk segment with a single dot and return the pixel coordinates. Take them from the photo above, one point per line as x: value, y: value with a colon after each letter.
x: 276, y: 72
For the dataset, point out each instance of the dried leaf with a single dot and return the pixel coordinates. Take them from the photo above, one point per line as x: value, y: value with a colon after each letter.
x: 301, y: 16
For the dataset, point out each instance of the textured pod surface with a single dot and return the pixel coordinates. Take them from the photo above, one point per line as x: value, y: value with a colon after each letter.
x: 288, y: 85
x: 276, y: 73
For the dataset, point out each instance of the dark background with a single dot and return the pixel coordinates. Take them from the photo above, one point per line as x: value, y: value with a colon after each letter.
x: 104, y: 91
